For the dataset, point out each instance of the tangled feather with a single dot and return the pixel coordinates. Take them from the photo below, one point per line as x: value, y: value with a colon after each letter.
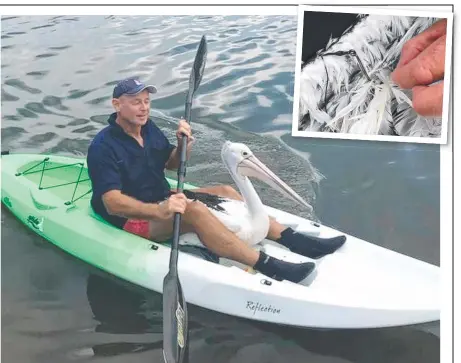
x: 346, y: 86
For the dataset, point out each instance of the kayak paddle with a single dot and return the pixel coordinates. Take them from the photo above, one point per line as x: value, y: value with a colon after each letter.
x: 175, y: 330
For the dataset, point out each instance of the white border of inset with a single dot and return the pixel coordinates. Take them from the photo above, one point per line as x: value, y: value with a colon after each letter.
x: 392, y: 10
x: 151, y: 10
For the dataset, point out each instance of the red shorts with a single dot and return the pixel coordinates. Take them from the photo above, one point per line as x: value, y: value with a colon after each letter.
x: 137, y: 226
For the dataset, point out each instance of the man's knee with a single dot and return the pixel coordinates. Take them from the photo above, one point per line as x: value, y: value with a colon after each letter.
x: 195, y: 209
x: 228, y: 191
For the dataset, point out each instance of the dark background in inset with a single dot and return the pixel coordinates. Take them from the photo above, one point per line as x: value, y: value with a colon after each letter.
x: 319, y: 27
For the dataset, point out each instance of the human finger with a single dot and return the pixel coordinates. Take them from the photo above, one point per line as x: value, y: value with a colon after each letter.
x: 178, y: 196
x: 178, y: 208
x: 428, y: 100
x: 416, y: 45
x: 184, y: 131
x: 184, y: 125
x: 178, y: 205
x: 426, y: 68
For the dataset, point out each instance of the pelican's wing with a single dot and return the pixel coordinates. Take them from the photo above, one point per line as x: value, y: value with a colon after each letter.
x: 234, y: 215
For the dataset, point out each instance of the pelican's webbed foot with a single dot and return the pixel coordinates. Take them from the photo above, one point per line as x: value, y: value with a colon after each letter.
x: 310, y: 246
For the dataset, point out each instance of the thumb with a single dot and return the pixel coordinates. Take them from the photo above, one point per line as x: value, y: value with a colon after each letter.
x: 190, y: 141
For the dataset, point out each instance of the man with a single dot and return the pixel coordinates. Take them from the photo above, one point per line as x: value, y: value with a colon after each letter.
x: 126, y: 163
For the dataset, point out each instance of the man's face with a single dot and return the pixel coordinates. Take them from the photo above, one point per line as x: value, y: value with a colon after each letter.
x: 134, y: 109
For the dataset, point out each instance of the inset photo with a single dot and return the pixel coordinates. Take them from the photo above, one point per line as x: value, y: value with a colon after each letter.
x: 373, y: 74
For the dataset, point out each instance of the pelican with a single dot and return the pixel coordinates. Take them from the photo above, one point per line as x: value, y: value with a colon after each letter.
x: 249, y: 219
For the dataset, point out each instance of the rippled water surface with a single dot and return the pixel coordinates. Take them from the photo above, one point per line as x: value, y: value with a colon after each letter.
x: 57, y: 77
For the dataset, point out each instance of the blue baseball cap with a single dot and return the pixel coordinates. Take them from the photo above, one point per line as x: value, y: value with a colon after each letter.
x: 131, y: 86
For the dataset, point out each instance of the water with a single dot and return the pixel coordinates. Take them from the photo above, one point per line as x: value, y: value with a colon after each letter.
x: 57, y: 78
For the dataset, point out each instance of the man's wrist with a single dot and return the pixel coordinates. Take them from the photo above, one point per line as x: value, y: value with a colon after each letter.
x: 155, y: 210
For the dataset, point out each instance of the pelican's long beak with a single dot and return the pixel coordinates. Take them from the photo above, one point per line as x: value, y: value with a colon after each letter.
x: 252, y: 167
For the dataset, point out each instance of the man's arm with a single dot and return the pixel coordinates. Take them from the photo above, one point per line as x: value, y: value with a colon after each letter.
x: 174, y: 160
x: 125, y: 206
x: 105, y: 175
x: 122, y: 205
x: 175, y: 157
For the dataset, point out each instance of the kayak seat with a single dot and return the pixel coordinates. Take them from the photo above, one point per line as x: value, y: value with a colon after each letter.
x: 201, y: 252
x: 95, y: 215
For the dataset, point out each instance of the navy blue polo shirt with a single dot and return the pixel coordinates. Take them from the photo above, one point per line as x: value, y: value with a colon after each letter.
x: 117, y: 161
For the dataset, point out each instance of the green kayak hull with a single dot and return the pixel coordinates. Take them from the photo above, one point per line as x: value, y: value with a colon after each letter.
x: 51, y: 195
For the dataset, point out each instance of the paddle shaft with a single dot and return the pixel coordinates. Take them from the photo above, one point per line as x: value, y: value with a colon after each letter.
x: 173, y: 273
x: 179, y: 189
x: 175, y: 321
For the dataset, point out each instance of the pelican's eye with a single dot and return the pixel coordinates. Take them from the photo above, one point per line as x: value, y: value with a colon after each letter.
x: 244, y: 153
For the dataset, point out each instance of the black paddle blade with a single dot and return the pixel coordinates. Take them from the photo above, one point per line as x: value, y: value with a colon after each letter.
x: 175, y: 329
x: 197, y: 70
